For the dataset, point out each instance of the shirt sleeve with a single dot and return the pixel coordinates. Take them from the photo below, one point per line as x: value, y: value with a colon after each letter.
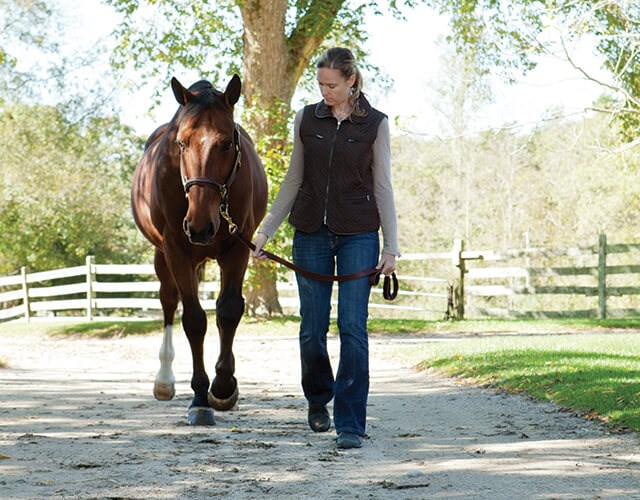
x: 383, y: 189
x: 288, y: 191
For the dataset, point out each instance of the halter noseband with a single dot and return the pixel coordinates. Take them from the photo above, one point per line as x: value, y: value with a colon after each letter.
x: 224, y: 187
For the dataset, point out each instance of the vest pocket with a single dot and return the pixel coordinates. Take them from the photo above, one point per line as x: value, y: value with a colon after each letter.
x: 359, y: 197
x: 312, y: 136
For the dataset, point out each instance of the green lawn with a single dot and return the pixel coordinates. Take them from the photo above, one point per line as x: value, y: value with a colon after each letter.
x: 597, y: 375
x: 589, y: 366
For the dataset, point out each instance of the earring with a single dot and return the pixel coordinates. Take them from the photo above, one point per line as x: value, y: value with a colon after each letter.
x: 350, y: 91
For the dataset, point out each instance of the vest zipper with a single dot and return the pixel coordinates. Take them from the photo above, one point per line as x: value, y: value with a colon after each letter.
x: 326, y: 194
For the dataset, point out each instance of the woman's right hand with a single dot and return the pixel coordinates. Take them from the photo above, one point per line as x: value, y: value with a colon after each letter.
x: 259, y: 242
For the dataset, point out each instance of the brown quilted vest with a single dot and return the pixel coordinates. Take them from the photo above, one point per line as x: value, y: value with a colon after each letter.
x: 337, y: 186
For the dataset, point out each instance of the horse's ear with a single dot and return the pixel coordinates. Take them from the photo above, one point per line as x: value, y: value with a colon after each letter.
x: 232, y: 93
x: 182, y: 94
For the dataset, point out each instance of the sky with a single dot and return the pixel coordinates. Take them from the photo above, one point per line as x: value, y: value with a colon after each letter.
x: 408, y: 52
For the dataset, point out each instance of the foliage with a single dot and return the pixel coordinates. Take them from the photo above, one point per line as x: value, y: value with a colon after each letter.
x: 508, y: 36
x: 64, y: 190
x: 161, y: 39
x: 274, y: 149
x: 41, y: 64
x: 66, y: 163
x: 597, y: 375
x: 272, y: 41
x: 560, y: 185
x: 24, y: 25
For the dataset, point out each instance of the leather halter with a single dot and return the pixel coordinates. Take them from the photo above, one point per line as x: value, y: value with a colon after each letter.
x: 206, y: 181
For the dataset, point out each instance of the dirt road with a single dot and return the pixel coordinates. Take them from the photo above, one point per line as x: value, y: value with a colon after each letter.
x: 78, y: 421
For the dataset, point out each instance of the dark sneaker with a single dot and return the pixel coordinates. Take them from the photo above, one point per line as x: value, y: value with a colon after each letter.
x: 318, y: 417
x: 348, y: 440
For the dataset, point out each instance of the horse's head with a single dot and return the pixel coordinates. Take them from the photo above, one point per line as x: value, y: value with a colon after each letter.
x: 209, y: 147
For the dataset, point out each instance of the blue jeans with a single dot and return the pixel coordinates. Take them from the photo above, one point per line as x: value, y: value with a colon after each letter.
x: 321, y: 252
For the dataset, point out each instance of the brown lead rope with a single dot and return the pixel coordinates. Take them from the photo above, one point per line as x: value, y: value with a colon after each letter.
x: 388, y: 292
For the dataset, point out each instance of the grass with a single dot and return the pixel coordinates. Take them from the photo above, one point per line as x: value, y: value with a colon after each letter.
x: 107, y: 329
x: 589, y: 366
x: 290, y: 324
x: 596, y: 375
x: 500, y: 326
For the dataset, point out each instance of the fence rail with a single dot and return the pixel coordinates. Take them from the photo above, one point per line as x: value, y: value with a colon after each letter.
x: 106, y: 290
x: 592, y: 281
x: 595, y: 281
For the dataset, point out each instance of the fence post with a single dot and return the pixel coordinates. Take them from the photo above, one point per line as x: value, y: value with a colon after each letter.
x: 458, y: 261
x: 25, y: 294
x: 602, y: 276
x: 89, y: 288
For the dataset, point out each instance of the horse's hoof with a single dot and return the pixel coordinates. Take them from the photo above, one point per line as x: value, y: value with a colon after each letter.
x: 199, y: 415
x: 164, y: 391
x: 230, y: 403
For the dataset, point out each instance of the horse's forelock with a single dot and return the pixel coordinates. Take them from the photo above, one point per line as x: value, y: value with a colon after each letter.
x: 204, y: 97
x: 203, y: 90
x: 201, y: 85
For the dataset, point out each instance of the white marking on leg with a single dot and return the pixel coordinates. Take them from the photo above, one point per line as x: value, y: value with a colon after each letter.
x: 166, y: 355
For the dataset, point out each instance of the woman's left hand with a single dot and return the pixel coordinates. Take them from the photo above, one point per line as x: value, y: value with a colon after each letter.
x: 387, y: 264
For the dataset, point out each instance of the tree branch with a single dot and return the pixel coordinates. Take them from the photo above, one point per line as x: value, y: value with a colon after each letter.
x: 310, y: 32
x: 629, y: 97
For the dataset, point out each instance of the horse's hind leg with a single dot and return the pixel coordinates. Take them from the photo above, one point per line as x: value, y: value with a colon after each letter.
x: 229, y: 309
x: 164, y: 385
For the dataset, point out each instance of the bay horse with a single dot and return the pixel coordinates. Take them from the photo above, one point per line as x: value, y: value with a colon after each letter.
x: 198, y: 183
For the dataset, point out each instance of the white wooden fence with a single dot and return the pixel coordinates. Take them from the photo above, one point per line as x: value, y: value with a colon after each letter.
x: 599, y: 280
x: 592, y: 281
x: 110, y: 290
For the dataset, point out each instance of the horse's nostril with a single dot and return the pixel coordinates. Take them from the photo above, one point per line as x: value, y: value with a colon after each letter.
x: 203, y: 237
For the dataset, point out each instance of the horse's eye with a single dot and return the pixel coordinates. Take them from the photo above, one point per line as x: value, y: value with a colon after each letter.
x: 227, y: 145
x: 181, y: 145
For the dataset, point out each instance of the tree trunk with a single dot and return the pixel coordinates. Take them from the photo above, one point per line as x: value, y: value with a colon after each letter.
x: 273, y: 63
x: 265, y: 57
x: 265, y: 64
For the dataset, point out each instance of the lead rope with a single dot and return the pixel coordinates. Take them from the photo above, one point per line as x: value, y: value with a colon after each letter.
x: 389, y: 287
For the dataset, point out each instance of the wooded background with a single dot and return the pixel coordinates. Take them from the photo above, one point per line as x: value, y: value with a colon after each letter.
x: 67, y: 158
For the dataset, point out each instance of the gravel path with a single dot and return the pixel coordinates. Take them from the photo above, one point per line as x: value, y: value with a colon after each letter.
x: 78, y: 421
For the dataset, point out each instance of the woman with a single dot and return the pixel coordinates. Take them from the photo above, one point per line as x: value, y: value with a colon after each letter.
x: 338, y: 194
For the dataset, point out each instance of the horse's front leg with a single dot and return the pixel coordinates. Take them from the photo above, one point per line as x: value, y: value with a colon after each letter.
x: 194, y: 322
x: 164, y: 385
x: 229, y: 309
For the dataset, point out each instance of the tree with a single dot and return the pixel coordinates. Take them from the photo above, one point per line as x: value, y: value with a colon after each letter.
x: 460, y: 93
x: 510, y: 34
x: 273, y: 41
x: 560, y: 185
x: 64, y: 192
x: 24, y: 24
x: 40, y: 64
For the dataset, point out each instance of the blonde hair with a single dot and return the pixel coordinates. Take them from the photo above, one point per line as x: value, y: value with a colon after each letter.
x: 343, y: 60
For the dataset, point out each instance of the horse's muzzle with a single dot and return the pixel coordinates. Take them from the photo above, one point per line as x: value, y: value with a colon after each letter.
x: 203, y: 237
